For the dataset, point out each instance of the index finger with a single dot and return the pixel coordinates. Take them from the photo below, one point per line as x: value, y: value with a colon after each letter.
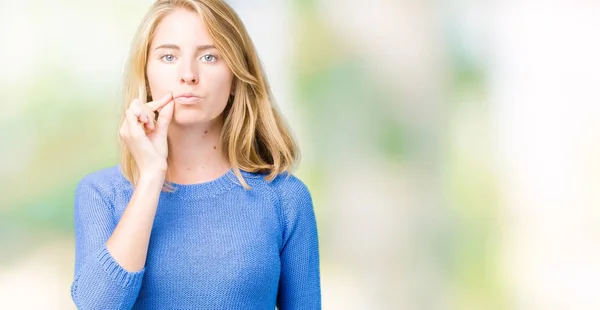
x: 155, y: 105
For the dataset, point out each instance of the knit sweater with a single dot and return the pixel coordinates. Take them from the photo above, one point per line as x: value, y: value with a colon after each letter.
x: 213, y: 245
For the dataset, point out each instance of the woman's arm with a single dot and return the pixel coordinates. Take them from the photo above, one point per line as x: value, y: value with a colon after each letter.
x: 128, y: 244
x: 299, y: 283
x: 110, y: 257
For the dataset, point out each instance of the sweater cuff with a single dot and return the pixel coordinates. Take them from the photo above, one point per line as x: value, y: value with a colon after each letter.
x: 121, y: 276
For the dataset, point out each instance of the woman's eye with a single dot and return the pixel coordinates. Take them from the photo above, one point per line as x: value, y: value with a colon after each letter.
x: 209, y: 57
x: 167, y: 57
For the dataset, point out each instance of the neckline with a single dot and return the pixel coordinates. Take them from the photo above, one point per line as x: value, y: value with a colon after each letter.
x: 204, y: 189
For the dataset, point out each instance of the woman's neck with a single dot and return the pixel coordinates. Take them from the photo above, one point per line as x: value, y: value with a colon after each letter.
x: 194, y: 154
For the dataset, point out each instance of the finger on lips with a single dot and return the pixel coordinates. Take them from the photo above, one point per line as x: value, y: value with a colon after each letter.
x: 158, y: 104
x: 147, y: 114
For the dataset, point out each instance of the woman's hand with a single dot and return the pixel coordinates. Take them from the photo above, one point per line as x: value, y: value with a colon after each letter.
x: 145, y: 137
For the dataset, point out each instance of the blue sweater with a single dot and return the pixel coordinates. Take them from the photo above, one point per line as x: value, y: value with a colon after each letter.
x: 213, y: 245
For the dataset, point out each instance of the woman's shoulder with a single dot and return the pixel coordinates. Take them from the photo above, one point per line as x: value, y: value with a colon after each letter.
x: 108, y: 177
x: 97, y: 189
x: 290, y: 188
x: 289, y: 182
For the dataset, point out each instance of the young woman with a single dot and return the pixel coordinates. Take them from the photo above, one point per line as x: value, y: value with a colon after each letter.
x: 202, y: 212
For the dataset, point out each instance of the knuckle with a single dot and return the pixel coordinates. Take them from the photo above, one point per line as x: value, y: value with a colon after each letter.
x: 133, y: 109
x: 124, y: 134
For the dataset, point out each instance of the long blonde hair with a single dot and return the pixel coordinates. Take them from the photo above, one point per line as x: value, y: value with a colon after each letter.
x: 254, y: 137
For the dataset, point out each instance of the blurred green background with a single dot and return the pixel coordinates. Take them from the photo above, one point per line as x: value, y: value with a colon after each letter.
x: 451, y: 147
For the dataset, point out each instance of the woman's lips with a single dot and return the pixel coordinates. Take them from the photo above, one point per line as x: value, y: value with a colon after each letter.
x: 187, y: 99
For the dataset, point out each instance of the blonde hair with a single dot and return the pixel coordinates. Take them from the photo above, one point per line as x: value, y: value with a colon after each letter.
x: 255, y: 137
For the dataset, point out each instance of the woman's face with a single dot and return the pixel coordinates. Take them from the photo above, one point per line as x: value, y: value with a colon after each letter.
x: 183, y: 60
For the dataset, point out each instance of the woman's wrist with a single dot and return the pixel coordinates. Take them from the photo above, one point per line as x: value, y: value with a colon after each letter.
x: 154, y: 175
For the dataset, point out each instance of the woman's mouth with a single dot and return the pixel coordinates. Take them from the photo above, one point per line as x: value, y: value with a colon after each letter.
x: 187, y: 98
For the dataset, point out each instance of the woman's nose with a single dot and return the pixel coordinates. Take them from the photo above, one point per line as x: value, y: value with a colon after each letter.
x: 189, y: 74
x: 189, y: 79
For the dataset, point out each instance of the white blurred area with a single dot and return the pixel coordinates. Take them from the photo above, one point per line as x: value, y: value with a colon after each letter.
x: 545, y: 79
x: 542, y: 110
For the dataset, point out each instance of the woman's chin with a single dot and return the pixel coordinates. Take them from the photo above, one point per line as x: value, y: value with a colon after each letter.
x: 187, y: 119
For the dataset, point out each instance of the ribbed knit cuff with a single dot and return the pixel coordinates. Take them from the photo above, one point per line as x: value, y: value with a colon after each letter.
x: 121, y: 276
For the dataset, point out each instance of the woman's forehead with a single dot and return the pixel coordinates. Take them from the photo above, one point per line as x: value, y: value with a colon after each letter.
x: 183, y: 28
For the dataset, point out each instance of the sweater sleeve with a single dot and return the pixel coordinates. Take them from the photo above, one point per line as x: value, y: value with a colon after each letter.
x: 299, y: 283
x: 99, y: 281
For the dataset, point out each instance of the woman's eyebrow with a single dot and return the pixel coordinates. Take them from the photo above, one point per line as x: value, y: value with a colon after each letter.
x: 176, y: 47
